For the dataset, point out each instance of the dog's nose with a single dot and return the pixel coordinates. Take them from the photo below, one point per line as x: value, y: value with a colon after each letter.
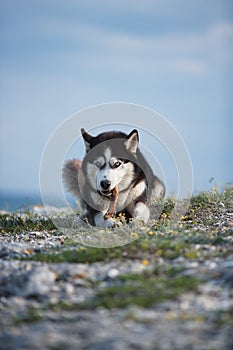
x: 105, y: 184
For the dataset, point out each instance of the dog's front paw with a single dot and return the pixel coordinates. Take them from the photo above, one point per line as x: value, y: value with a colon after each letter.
x: 110, y: 223
x: 103, y: 222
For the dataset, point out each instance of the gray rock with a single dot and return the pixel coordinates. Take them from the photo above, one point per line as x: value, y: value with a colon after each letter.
x: 39, y: 281
x: 32, y: 281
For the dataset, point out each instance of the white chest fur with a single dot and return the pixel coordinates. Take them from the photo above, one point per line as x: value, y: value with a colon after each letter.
x: 126, y: 197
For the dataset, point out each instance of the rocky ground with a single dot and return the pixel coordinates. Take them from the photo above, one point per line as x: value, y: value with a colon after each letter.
x: 170, y: 289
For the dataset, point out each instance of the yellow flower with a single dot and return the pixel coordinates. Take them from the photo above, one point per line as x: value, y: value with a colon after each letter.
x: 145, y: 262
x: 134, y: 234
x: 151, y: 233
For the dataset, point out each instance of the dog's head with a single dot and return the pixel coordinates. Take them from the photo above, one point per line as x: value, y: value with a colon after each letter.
x: 110, y: 159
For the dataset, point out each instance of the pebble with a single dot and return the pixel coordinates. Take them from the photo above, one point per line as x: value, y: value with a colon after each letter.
x: 25, y: 282
x: 113, y: 273
x: 221, y: 205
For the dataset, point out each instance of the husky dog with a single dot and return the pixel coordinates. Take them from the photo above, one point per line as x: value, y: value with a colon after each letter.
x: 113, y: 170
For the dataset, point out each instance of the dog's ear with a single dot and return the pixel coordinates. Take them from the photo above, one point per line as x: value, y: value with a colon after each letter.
x: 132, y: 141
x: 87, y: 139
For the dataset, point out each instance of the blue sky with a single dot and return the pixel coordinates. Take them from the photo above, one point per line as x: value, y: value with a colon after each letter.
x: 57, y: 57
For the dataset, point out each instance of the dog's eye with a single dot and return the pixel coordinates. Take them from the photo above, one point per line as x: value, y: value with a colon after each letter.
x: 116, y: 165
x: 98, y: 164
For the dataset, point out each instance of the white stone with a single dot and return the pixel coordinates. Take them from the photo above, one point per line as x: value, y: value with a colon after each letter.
x: 113, y: 273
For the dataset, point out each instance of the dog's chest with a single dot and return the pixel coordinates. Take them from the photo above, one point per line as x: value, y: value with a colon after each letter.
x: 130, y: 195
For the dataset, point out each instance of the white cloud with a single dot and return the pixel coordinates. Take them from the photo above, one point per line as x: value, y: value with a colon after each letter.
x: 221, y: 42
x: 191, y: 53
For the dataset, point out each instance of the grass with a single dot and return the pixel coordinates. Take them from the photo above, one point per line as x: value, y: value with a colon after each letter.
x: 223, y: 318
x: 169, y: 245
x: 144, y: 290
x: 32, y: 314
x: 18, y: 223
x: 79, y: 255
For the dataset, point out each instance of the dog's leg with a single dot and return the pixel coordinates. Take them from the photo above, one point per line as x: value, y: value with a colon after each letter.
x: 141, y: 212
x: 101, y: 222
x: 158, y: 189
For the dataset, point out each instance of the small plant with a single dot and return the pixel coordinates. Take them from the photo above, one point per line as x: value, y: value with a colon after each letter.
x: 32, y: 314
x: 24, y: 222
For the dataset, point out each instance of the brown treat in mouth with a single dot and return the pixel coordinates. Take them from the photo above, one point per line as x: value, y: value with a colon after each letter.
x: 113, y: 203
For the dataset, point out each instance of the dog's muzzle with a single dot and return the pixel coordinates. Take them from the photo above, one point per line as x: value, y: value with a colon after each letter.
x: 105, y: 188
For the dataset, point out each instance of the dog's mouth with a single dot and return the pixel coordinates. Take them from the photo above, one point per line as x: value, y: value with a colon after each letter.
x: 106, y: 193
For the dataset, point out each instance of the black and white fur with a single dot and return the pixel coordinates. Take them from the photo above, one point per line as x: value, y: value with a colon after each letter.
x: 112, y: 159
